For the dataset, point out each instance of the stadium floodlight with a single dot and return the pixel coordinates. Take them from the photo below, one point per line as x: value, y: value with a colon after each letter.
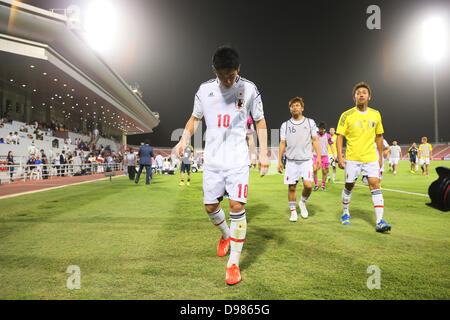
x: 433, y: 33
x: 101, y: 25
x: 434, y: 42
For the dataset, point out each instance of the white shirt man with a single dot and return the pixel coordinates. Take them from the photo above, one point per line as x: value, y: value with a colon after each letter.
x: 159, y: 161
x: 32, y: 150
x: 9, y: 138
x: 396, y: 153
x: 15, y: 138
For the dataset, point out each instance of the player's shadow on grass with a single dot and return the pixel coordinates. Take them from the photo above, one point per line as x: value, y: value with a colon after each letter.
x: 251, y: 211
x: 313, y: 209
x: 366, y: 215
x: 256, y: 242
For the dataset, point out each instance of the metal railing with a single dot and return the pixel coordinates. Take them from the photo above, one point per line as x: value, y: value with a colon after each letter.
x: 49, y: 171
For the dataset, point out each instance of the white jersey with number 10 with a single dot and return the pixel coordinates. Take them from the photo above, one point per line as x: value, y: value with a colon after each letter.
x: 226, y: 112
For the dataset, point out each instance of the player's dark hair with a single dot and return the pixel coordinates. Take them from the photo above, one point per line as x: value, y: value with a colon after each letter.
x: 361, y: 84
x: 322, y: 125
x: 226, y: 57
x: 296, y: 99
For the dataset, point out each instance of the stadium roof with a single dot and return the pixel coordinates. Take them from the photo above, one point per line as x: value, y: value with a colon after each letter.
x: 53, y: 65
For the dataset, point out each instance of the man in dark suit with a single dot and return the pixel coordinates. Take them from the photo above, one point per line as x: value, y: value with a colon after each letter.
x: 63, y: 161
x: 145, y: 160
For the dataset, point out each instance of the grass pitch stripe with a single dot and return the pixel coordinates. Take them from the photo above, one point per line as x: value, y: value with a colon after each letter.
x: 385, y: 189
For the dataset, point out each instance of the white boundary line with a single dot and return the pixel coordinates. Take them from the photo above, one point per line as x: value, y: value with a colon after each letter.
x: 52, y: 188
x: 400, y: 191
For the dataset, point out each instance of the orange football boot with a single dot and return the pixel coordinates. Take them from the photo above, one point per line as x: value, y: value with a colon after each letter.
x: 222, y: 248
x: 233, y: 275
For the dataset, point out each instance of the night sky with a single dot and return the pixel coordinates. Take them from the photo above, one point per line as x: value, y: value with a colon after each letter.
x: 314, y: 49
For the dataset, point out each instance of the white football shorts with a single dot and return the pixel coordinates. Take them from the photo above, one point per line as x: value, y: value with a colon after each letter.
x: 395, y: 160
x: 231, y: 183
x: 423, y: 161
x: 354, y: 168
x: 296, y: 170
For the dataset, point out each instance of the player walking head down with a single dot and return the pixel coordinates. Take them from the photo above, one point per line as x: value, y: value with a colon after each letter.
x: 225, y: 103
x: 226, y: 66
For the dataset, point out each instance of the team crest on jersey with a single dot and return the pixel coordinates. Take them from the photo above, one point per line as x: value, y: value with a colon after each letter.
x: 239, y: 104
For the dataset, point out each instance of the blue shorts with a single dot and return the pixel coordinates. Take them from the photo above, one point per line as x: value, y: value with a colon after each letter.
x: 185, y: 167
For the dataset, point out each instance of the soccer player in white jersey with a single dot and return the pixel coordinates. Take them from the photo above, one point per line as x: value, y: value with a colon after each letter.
x: 226, y: 103
x: 396, y: 154
x: 361, y: 126
x: 298, y: 136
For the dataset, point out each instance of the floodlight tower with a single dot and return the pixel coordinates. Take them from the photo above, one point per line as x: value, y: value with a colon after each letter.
x: 433, y: 35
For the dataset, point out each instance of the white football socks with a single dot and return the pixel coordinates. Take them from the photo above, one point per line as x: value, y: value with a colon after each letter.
x: 292, y: 206
x: 238, y: 230
x: 218, y: 219
x: 346, y: 197
x: 378, y: 203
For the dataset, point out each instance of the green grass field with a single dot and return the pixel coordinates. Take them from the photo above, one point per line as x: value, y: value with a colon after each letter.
x: 156, y: 242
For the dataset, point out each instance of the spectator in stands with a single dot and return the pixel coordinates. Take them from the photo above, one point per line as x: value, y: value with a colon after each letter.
x: 9, y: 138
x: 65, y: 146
x: 32, y: 150
x: 44, y: 164
x: 1, y: 140
x: 63, y: 162
x: 57, y: 164
x: 10, y: 162
x: 31, y: 164
x: 69, y: 163
x: 16, y: 138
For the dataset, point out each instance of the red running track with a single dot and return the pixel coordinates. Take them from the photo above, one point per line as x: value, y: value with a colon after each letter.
x: 19, y: 187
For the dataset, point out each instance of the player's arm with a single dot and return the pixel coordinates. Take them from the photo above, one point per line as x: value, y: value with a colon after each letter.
x: 333, y: 150
x: 281, y: 151
x: 386, y: 151
x: 252, y: 148
x: 261, y: 129
x: 420, y: 151
x: 188, y: 132
x: 315, y: 143
x: 339, y: 144
x: 431, y: 152
x: 379, y: 142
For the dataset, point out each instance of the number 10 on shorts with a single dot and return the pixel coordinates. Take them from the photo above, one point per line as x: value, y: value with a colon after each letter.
x: 245, y: 189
